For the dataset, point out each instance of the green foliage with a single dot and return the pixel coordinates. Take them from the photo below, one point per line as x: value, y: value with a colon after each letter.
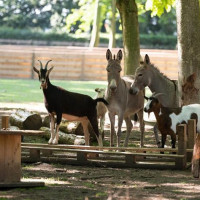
x: 159, y: 6
x: 42, y: 14
x: 31, y: 34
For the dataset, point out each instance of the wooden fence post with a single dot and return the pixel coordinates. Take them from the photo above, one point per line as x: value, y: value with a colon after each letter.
x: 5, y: 122
x: 191, y: 135
x: 182, y: 142
x: 32, y: 65
x: 196, y: 157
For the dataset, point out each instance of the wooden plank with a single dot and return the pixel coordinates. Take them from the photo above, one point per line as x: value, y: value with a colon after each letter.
x: 105, y: 152
x: 131, y: 149
x: 21, y: 132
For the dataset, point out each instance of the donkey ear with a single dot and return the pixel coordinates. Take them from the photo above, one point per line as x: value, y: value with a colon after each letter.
x: 147, y: 59
x: 108, y: 55
x: 119, y: 55
x: 36, y: 70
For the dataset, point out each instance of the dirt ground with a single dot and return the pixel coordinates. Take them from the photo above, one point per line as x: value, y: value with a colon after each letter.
x: 88, y: 183
x: 102, y: 183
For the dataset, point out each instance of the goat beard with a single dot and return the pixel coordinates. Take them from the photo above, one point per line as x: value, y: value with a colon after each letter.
x: 43, y: 86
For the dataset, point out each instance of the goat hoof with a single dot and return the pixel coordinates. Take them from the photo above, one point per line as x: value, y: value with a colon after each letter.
x: 50, y: 141
x: 55, y: 142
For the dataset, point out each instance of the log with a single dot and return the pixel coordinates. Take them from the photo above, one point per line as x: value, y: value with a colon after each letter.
x: 26, y: 120
x: 64, y: 138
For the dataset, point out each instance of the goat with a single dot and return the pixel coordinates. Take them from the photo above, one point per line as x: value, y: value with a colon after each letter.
x: 101, y: 109
x: 72, y: 106
x: 168, y: 118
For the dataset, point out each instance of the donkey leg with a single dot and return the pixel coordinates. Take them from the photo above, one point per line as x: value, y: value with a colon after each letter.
x: 52, y: 127
x: 120, y: 121
x: 129, y: 127
x: 112, y: 128
x: 141, y: 120
x: 86, y: 132
x: 58, y: 120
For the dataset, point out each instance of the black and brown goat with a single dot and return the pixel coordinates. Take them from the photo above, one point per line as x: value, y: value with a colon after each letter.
x: 69, y: 105
x: 168, y: 118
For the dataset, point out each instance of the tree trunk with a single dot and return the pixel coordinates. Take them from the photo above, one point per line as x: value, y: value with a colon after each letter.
x: 188, y: 29
x: 129, y: 17
x: 94, y: 42
x: 112, y: 40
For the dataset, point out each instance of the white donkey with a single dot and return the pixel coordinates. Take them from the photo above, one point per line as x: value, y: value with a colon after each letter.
x: 121, y: 102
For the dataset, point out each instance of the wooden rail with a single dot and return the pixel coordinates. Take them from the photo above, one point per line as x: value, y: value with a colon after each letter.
x: 117, y: 157
x: 73, y: 63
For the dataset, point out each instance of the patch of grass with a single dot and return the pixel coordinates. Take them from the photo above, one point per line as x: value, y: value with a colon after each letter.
x: 22, y: 91
x: 88, y: 185
x: 101, y: 194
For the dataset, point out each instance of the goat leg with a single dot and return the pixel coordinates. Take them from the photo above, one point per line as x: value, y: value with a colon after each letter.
x: 86, y: 132
x: 58, y: 120
x: 52, y: 126
x: 94, y: 123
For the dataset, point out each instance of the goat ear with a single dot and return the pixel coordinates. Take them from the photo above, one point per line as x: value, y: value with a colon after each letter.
x: 146, y: 98
x: 48, y: 71
x: 97, y: 90
x: 108, y: 55
x: 146, y: 59
x: 36, y: 70
x: 119, y: 55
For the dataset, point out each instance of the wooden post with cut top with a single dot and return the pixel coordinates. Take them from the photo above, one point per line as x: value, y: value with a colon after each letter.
x: 180, y: 163
x: 191, y: 135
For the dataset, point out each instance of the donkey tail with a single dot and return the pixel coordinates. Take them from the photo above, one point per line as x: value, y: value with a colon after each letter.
x: 101, y: 100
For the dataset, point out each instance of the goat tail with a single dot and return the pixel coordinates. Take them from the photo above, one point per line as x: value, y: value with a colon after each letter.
x: 101, y: 100
x: 135, y: 117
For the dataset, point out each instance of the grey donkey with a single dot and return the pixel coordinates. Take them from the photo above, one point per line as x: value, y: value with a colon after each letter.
x: 121, y: 102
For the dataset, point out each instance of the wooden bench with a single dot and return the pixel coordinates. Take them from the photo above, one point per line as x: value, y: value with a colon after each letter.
x: 10, y: 156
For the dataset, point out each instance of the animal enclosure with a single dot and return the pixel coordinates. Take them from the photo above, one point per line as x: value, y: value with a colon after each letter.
x: 73, y: 63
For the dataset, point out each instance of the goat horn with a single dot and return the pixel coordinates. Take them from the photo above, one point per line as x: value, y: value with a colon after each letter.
x: 40, y: 64
x: 47, y: 63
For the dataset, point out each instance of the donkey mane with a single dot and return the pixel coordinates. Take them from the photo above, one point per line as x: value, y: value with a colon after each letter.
x: 162, y: 74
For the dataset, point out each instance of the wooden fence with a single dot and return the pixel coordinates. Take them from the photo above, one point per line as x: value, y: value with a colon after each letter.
x: 73, y: 63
